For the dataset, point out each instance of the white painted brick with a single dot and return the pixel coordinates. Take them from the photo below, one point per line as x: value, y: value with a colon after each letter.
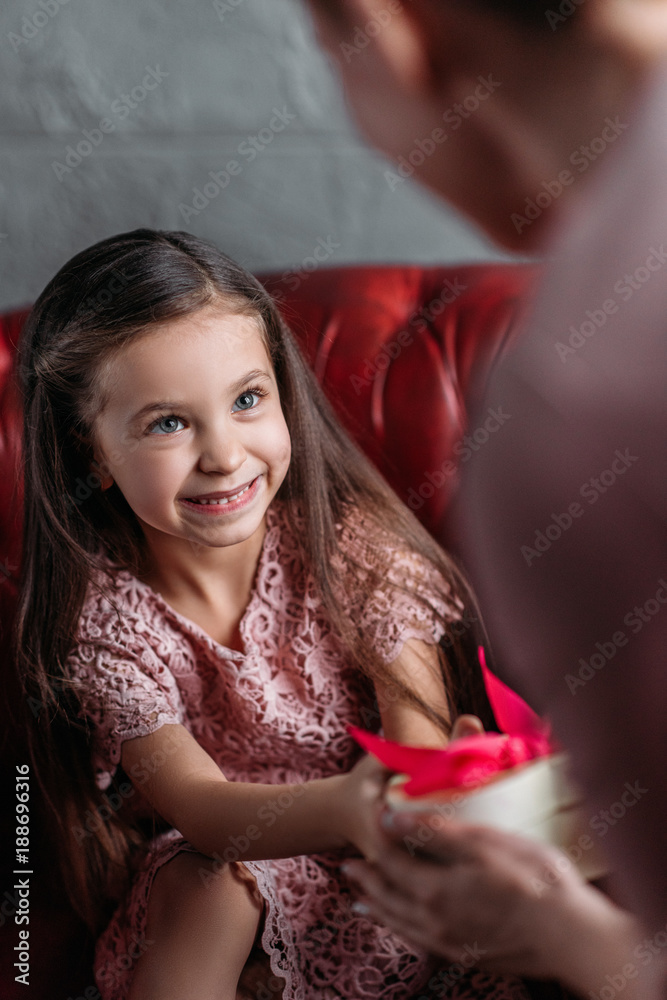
x: 225, y: 75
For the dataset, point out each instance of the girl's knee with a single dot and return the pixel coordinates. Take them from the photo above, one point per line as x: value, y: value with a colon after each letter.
x: 203, y: 882
x: 194, y: 906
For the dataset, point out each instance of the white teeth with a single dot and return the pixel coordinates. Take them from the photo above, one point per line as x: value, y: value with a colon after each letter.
x: 227, y: 499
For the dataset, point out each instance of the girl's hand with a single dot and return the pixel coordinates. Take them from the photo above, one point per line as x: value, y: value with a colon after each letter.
x: 359, y: 806
x: 466, y: 725
x: 363, y: 790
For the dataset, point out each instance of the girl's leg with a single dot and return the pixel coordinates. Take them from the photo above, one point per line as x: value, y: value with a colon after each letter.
x: 257, y: 981
x: 201, y: 931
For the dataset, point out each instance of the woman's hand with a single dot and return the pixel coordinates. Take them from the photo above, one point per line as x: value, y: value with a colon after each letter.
x: 446, y: 886
x: 473, y: 894
x: 511, y: 905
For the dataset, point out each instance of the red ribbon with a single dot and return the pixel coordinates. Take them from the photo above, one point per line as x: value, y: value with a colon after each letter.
x: 472, y: 760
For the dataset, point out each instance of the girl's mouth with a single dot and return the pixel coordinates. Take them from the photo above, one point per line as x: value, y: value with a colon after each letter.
x: 224, y: 505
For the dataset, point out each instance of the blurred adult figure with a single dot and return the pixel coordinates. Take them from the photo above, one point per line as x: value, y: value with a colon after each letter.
x: 545, y: 124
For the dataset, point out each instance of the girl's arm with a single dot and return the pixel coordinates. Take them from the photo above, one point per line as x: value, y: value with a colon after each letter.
x: 254, y: 821
x: 418, y: 667
x: 247, y: 820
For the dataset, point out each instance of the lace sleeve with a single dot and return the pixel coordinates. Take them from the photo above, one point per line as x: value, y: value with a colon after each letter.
x: 398, y: 593
x: 123, y: 689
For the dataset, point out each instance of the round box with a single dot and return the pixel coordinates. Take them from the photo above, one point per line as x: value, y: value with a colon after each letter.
x: 536, y: 800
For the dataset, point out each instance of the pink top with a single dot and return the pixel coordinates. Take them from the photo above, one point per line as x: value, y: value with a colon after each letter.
x: 274, y: 714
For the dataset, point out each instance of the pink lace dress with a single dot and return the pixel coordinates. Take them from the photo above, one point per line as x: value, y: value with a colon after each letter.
x: 275, y: 713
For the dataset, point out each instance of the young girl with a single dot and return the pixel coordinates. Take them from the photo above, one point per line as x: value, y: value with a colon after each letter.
x: 215, y: 582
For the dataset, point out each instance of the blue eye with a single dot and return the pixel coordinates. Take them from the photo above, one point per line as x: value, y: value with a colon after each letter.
x: 246, y: 399
x: 166, y: 424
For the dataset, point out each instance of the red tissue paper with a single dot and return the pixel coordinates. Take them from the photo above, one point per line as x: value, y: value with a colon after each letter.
x: 471, y: 761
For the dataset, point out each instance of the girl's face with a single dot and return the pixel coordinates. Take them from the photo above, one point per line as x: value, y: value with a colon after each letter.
x: 193, y: 414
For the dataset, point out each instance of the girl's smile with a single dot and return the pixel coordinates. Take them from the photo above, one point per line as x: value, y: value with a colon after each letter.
x: 191, y: 602
x: 224, y: 503
x: 192, y: 432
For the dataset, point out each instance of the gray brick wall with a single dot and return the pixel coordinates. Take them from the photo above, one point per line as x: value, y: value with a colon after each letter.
x: 115, y: 113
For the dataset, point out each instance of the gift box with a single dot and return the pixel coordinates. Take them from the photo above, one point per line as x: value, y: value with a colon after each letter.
x: 516, y: 781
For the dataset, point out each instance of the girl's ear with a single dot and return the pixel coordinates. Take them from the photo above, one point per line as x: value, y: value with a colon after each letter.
x: 99, y: 467
x: 98, y: 464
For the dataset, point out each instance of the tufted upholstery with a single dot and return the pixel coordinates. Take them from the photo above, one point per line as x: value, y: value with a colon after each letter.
x: 402, y: 352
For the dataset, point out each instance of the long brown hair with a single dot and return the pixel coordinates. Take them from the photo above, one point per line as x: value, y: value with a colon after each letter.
x: 99, y: 301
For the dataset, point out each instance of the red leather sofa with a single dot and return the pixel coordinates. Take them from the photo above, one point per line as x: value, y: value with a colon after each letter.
x: 403, y: 353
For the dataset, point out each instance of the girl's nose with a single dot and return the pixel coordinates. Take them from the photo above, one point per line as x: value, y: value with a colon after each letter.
x: 221, y: 452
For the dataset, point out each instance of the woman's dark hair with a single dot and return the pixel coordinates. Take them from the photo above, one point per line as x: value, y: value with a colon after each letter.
x: 545, y: 15
x: 102, y: 299
x: 530, y: 13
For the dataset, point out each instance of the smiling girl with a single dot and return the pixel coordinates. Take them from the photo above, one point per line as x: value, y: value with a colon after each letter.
x: 238, y: 586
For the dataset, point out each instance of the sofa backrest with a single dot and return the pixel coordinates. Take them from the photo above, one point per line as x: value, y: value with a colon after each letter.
x: 402, y: 353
